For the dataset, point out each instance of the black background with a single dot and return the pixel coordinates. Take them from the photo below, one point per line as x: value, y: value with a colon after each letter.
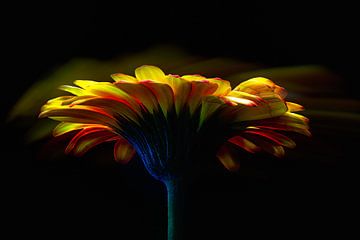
x: 78, y: 197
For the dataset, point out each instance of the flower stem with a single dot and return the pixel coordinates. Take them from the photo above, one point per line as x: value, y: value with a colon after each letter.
x: 175, y: 198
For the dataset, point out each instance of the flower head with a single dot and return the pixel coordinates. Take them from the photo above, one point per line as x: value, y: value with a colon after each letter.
x: 162, y: 117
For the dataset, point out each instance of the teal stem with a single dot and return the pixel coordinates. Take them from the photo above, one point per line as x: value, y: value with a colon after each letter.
x: 175, y: 202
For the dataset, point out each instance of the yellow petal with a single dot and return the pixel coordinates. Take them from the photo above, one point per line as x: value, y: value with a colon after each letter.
x: 236, y: 100
x: 272, y: 107
x: 148, y: 72
x: 199, y: 89
x: 141, y: 93
x: 123, y: 151
x: 294, y: 107
x: 65, y: 127
x: 256, y: 99
x: 62, y: 100
x: 181, y: 89
x: 114, y: 106
x: 120, y: 77
x: 80, y: 114
x: 297, y: 118
x: 194, y: 77
x: 260, y: 85
x: 106, y: 89
x: 209, y: 105
x: 85, y: 83
x: 283, y: 123
x: 74, y: 90
x: 224, y: 86
x: 163, y: 93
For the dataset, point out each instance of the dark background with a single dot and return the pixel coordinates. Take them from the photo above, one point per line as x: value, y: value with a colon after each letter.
x: 288, y: 198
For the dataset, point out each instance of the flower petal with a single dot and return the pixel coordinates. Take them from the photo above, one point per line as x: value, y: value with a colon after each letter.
x: 272, y: 106
x: 199, y: 89
x: 194, y: 77
x: 181, y: 89
x: 209, y: 105
x: 224, y: 86
x: 294, y: 107
x: 227, y: 159
x: 286, y: 119
x: 274, y: 149
x: 58, y: 101
x: 116, y: 107
x: 285, y: 127
x: 74, y: 90
x: 273, y: 136
x: 244, y: 143
x: 163, y: 93
x: 296, y: 118
x: 141, y: 94
x: 148, y: 72
x: 260, y: 85
x: 123, y: 151
x: 254, y: 98
x: 87, y: 139
x: 120, y: 77
x: 85, y: 84
x: 106, y: 89
x: 65, y: 127
x: 80, y: 114
x: 236, y: 100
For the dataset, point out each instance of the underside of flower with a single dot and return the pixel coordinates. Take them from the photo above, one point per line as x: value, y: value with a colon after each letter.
x: 161, y: 117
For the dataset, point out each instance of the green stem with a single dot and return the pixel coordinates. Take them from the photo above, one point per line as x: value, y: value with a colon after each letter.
x: 175, y: 203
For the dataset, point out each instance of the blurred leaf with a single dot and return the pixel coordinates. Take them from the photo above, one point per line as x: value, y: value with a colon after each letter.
x: 298, y: 80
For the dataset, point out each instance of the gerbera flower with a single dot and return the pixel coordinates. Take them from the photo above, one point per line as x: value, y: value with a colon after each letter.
x: 163, y: 117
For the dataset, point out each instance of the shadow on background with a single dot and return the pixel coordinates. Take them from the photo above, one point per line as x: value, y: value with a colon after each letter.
x: 303, y: 48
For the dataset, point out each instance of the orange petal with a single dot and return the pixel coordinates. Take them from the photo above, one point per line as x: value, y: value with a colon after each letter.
x: 227, y: 159
x: 123, y: 151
